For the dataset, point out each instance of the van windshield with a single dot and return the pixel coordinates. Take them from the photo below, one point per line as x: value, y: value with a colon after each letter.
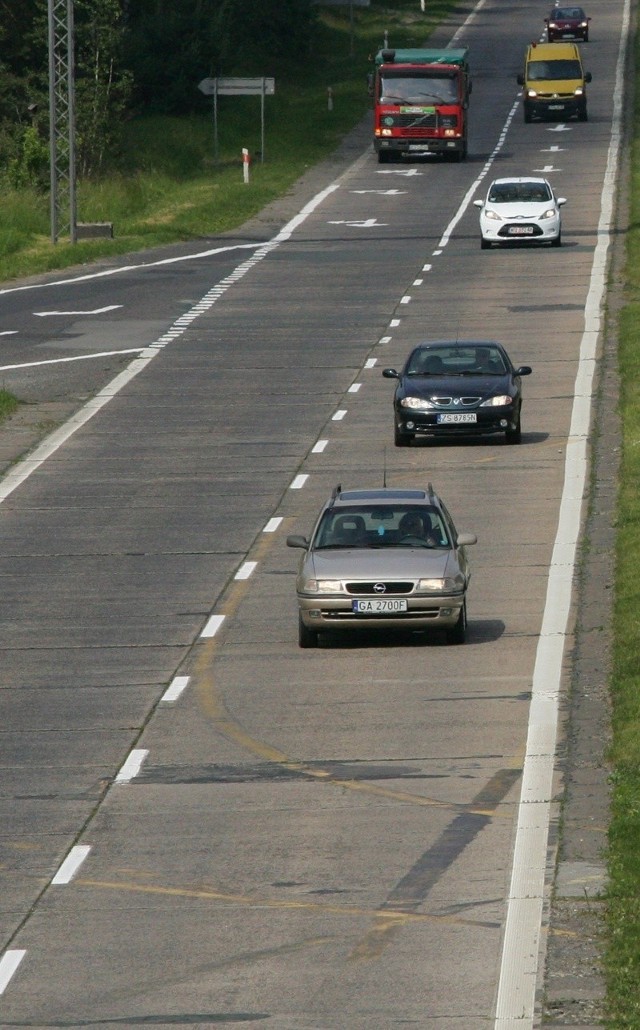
x: 539, y: 70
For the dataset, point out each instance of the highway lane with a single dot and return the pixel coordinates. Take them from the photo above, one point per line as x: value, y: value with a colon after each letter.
x: 313, y: 839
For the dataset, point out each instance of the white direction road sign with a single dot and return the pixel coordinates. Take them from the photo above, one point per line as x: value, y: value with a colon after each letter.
x: 238, y: 87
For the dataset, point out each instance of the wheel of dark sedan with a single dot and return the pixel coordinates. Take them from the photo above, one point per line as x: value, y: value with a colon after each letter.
x: 514, y: 435
x: 458, y: 633
x: 401, y: 439
x: 306, y: 637
x: 527, y: 114
x: 582, y: 115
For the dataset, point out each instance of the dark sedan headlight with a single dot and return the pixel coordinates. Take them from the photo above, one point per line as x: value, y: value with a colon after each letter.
x: 417, y: 403
x: 499, y: 401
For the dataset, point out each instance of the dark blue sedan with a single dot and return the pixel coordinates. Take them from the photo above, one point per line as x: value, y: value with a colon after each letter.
x: 457, y: 388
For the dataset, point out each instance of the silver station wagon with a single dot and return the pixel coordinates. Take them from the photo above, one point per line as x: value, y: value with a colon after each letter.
x: 387, y: 558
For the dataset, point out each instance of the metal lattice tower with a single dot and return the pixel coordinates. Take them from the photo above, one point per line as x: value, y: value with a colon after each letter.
x: 62, y: 119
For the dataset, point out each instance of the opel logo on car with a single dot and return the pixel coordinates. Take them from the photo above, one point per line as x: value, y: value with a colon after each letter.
x: 379, y: 588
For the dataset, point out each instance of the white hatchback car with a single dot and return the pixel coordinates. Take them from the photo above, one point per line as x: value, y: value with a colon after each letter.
x: 520, y: 210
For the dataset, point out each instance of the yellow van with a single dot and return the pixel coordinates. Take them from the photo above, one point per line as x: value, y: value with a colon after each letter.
x: 554, y: 82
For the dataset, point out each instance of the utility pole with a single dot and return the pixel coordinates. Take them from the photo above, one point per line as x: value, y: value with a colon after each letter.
x: 62, y: 120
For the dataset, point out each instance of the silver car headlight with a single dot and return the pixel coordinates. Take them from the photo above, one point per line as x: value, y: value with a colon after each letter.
x: 416, y: 403
x: 499, y: 401
x: 448, y: 585
x: 322, y: 586
x: 549, y: 213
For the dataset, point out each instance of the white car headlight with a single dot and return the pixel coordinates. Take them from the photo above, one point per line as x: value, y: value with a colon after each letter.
x: 322, y: 586
x: 549, y: 213
x: 448, y: 585
x: 416, y: 403
x: 499, y: 401
x: 492, y: 215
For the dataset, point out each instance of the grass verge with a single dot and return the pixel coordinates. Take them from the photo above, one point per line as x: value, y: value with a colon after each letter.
x: 623, y: 903
x: 8, y: 404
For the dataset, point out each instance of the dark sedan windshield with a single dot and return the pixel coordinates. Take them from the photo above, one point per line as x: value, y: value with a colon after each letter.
x: 479, y: 359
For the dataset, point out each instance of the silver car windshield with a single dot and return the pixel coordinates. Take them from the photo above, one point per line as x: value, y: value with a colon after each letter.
x: 370, y: 527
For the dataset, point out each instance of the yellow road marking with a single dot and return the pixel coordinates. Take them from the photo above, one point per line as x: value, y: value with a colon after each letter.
x: 390, y: 917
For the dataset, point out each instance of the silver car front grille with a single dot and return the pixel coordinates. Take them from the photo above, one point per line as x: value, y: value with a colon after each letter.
x: 381, y: 587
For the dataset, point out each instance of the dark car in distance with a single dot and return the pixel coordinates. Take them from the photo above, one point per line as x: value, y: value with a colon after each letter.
x: 457, y: 388
x: 567, y: 23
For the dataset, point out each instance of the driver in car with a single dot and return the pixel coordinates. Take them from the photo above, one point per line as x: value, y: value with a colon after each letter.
x: 412, y: 525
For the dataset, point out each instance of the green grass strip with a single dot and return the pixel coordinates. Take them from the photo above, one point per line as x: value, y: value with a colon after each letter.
x: 622, y: 959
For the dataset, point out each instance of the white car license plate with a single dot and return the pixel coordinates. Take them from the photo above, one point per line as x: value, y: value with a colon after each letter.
x: 378, y: 605
x: 419, y: 146
x: 458, y: 416
x: 520, y: 230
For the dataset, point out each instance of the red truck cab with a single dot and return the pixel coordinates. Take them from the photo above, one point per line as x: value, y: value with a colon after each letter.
x: 421, y: 100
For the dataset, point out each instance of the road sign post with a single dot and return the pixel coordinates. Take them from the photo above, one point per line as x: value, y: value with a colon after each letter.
x: 236, y: 87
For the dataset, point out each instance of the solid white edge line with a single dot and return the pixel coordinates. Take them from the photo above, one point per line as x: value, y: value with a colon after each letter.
x: 8, y: 965
x: 132, y: 765
x: 519, y: 971
x: 76, y: 357
x: 71, y: 864
x: 176, y: 687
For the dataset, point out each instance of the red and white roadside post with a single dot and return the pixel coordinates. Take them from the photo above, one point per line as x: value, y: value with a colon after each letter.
x: 246, y: 164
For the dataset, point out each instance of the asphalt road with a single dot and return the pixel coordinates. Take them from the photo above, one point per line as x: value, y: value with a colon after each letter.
x: 289, y: 839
